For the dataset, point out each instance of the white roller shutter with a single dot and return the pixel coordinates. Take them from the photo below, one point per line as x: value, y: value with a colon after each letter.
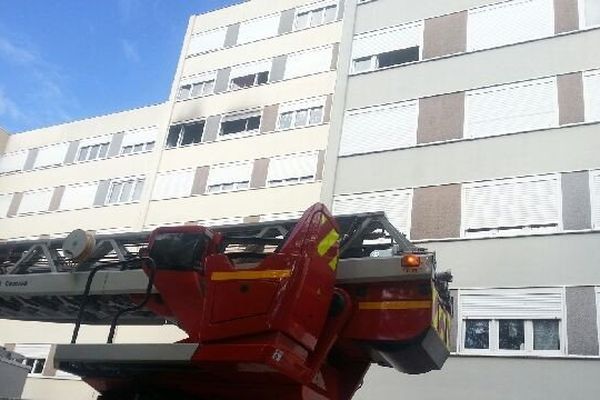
x: 397, y: 205
x: 591, y: 84
x: 33, y: 350
x: 308, y: 62
x: 380, y: 128
x: 221, y: 221
x: 250, y: 68
x: 138, y: 137
x: 95, y: 140
x: 37, y: 201
x: 79, y: 196
x: 5, y: 200
x: 316, y: 6
x: 509, y: 22
x: 388, y: 39
x: 516, y: 107
x: 13, y: 161
x: 207, y: 41
x: 302, y: 104
x: 591, y: 10
x: 292, y: 166
x: 173, y: 184
x: 284, y: 216
x: 257, y: 29
x: 197, y: 78
x: 595, y: 181
x: 538, y: 303
x: 512, y: 205
x: 229, y: 173
x: 51, y: 155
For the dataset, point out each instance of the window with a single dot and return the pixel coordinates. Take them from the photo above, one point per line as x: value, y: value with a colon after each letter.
x: 5, y: 201
x: 13, y: 161
x: 249, y: 75
x: 35, y: 356
x: 595, y: 194
x: 295, y: 168
x: 229, y: 177
x: 36, y: 201
x: 315, y: 15
x: 590, y: 13
x: 516, y: 107
x: 79, y: 196
x: 247, y: 81
x: 257, y: 29
x: 185, y: 134
x: 308, y: 62
x: 380, y: 128
x: 240, y: 124
x: 51, y: 155
x: 94, y: 149
x: 591, y: 87
x: 512, y: 321
x: 512, y: 207
x: 509, y: 22
x: 173, y: 184
x: 125, y: 191
x: 397, y: 205
x: 300, y: 114
x: 207, y: 41
x: 387, y: 47
x: 138, y: 141
x: 196, y: 86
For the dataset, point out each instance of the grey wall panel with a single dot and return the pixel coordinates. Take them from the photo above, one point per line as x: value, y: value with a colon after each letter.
x: 222, y: 81
x: 576, y: 207
x: 445, y: 35
x: 327, y: 109
x: 286, y: 23
x: 342, y: 9
x: 259, y: 173
x: 232, y: 35
x: 56, y: 198
x: 566, y: 15
x: 436, y: 212
x: 115, y: 144
x: 200, y: 180
x: 278, y: 68
x: 582, y: 327
x: 441, y: 118
x: 454, y: 326
x: 553, y: 56
x: 3, y: 140
x: 570, y: 98
x: 13, y: 209
x: 268, y: 121
x: 335, y: 53
x: 72, y: 152
x: 211, y: 129
x: 102, y: 192
x: 540, y: 260
x: 320, y: 165
x: 496, y: 157
x: 30, y: 161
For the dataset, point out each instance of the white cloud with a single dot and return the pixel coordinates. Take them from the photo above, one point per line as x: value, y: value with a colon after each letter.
x: 9, y: 108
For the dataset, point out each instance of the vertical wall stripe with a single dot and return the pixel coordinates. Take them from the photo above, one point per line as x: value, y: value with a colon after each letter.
x: 327, y: 109
x: 278, y: 68
x: 566, y: 15
x: 454, y: 326
x: 341, y: 9
x: 13, y: 209
x: 582, y: 327
x: 576, y: 203
x: 320, y: 165
x: 102, y: 192
x: 259, y: 173
x: 232, y: 35
x: 72, y: 152
x: 56, y: 198
x: 445, y: 35
x: 269, y: 118
x: 211, y: 128
x: 436, y: 212
x: 200, y: 180
x: 222, y: 81
x: 335, y: 53
x: 30, y: 161
x: 571, y: 102
x: 49, y: 369
x: 441, y: 118
x: 286, y: 22
x: 115, y: 144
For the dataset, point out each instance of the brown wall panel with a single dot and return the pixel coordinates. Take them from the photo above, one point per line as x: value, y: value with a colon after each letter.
x: 436, y: 212
x: 445, y: 35
x: 441, y: 118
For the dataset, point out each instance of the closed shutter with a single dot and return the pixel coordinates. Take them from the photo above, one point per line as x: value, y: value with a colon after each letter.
x: 591, y: 10
x: 203, y: 77
x: 207, y: 41
x: 308, y: 62
x: 284, y: 216
x: 139, y: 137
x: 95, y: 140
x: 316, y: 6
x: 33, y: 350
x: 229, y: 173
x: 37, y: 201
x: 302, y: 104
x: 51, y: 155
x: 294, y: 166
x: 173, y: 184
x: 538, y: 303
x: 510, y: 108
x: 380, y: 128
x: 79, y: 196
x: 591, y: 84
x: 512, y: 206
x: 595, y: 178
x: 250, y: 68
x: 221, y: 221
x: 396, y: 204
x: 257, y: 29
x: 5, y: 200
x: 388, y: 39
x: 509, y: 22
x: 13, y: 161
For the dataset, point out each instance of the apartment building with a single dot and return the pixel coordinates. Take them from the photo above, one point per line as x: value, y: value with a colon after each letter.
x: 473, y: 124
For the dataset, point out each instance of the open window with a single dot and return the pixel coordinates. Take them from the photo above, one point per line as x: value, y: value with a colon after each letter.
x: 185, y: 134
x: 240, y: 124
x: 315, y: 15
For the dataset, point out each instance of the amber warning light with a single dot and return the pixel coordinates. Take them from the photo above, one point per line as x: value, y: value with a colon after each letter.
x: 411, y: 261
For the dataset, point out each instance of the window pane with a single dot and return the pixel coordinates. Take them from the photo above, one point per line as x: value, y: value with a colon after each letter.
x: 512, y: 334
x: 208, y: 87
x: 398, y: 57
x: 302, y: 20
x: 197, y: 90
x: 316, y: 18
x: 138, y: 147
x: 184, y: 92
x: 94, y: 151
x: 285, y: 120
x: 115, y: 192
x: 126, y: 192
x: 83, y: 154
x: 253, y: 123
x: 330, y: 14
x: 477, y: 334
x: 137, y: 193
x: 362, y: 64
x: 229, y: 127
x: 149, y: 146
x: 262, y: 77
x: 103, y: 150
x: 173, y: 137
x: 127, y: 150
x: 316, y: 115
x: 545, y: 334
x: 301, y: 117
x: 192, y: 133
x: 38, y: 366
x: 592, y: 12
x: 243, y: 81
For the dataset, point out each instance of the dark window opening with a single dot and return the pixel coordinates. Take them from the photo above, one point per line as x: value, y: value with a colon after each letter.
x: 240, y: 125
x: 247, y: 81
x: 183, y: 135
x: 398, y: 57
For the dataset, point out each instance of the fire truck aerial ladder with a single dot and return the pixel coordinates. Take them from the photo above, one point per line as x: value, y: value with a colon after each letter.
x: 293, y: 310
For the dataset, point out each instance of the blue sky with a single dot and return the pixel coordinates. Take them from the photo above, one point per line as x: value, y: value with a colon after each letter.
x: 65, y: 60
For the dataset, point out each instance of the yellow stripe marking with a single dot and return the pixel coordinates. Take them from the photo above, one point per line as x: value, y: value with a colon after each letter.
x: 394, y: 305
x: 240, y: 275
x: 327, y: 242
x: 333, y: 263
